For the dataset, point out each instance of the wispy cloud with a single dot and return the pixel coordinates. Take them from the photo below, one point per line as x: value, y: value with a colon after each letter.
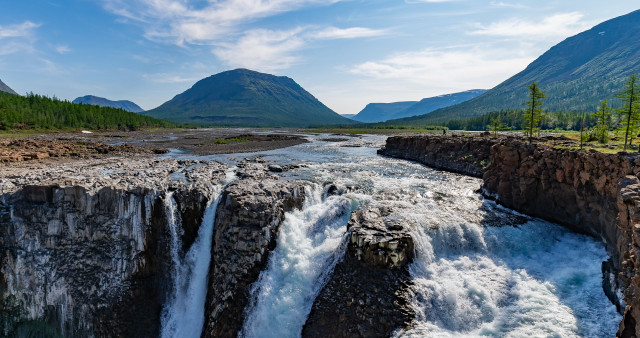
x: 467, y: 67
x: 507, y: 4
x: 557, y: 25
x: 198, y: 22
x: 17, y: 38
x: 263, y: 50
x: 62, y: 49
x: 347, y: 33
x: 24, y: 29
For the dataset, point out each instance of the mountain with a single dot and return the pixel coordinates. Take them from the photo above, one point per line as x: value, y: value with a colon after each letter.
x: 575, y: 74
x: 102, y: 102
x: 245, y: 98
x: 378, y: 112
x: 6, y: 89
x: 428, y: 105
x: 349, y: 116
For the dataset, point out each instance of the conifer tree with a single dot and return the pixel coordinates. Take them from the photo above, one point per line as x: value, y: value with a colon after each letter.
x: 496, y: 125
x: 630, y: 97
x: 533, y: 111
x: 603, y: 121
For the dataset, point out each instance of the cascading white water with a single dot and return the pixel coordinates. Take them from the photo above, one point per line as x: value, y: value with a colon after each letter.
x: 183, y: 314
x: 306, y: 252
x: 475, y: 273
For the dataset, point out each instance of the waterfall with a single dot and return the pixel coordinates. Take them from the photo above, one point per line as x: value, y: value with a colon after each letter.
x: 310, y: 242
x: 537, y: 279
x: 183, y: 314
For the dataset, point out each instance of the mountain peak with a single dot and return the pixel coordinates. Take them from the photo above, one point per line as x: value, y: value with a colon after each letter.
x: 576, y: 74
x: 243, y: 97
x: 102, y: 102
x: 6, y: 89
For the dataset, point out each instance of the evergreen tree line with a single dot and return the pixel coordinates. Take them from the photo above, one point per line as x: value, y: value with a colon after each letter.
x: 40, y: 112
x: 593, y: 126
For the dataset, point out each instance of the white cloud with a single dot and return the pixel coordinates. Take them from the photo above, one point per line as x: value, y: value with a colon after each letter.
x: 507, y: 5
x: 24, y: 29
x: 555, y: 26
x: 198, y: 22
x: 347, y: 33
x: 263, y: 50
x: 62, y: 49
x: 448, y: 69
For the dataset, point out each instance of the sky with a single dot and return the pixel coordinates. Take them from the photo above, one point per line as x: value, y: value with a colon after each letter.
x: 347, y: 53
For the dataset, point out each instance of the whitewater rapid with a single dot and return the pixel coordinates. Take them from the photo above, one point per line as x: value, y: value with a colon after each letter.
x: 479, y: 270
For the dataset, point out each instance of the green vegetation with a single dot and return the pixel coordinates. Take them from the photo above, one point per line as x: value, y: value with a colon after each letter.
x: 244, y: 98
x: 533, y: 114
x: 628, y: 113
x: 603, y: 121
x: 40, y: 112
x: 496, y: 125
x: 14, y: 322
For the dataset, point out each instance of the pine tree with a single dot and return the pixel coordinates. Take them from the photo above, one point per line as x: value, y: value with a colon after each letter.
x: 630, y: 97
x: 496, y: 125
x: 534, y: 110
x: 603, y: 121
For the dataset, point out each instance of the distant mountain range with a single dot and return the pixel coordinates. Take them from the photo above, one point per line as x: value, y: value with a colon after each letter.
x: 575, y: 74
x: 102, y: 102
x: 245, y: 98
x: 6, y: 89
x: 379, y: 112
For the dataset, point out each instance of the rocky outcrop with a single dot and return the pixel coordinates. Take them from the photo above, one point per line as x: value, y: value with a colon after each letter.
x: 248, y: 217
x: 89, y: 255
x: 368, y: 293
x: 463, y: 154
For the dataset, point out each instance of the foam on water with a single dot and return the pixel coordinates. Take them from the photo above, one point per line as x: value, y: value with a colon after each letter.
x: 310, y: 242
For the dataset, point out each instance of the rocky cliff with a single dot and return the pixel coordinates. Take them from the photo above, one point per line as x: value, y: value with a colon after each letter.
x: 248, y: 217
x: 588, y: 192
x: 85, y: 247
x: 368, y: 293
x: 460, y: 154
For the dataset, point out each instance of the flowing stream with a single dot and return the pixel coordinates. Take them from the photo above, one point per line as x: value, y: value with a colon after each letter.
x: 480, y: 269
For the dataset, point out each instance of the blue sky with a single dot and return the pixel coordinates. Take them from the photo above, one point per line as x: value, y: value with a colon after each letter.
x: 345, y: 52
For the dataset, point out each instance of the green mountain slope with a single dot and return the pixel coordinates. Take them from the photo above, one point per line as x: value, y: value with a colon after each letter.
x: 102, y: 102
x: 244, y: 98
x: 576, y: 74
x: 6, y: 89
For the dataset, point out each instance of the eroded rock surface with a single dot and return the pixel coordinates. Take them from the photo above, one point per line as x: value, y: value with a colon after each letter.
x: 466, y: 155
x: 368, y: 293
x: 85, y: 247
x: 248, y: 217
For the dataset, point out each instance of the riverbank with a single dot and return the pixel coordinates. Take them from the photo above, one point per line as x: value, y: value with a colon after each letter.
x: 201, y: 142
x: 587, y: 191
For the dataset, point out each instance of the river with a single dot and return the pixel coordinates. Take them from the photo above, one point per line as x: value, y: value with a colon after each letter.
x: 480, y: 269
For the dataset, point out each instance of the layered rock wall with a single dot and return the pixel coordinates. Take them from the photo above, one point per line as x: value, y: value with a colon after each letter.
x: 468, y: 155
x: 368, y: 293
x: 92, y: 259
x: 248, y: 217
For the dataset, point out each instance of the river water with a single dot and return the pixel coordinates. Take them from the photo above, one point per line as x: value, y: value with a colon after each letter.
x: 480, y: 269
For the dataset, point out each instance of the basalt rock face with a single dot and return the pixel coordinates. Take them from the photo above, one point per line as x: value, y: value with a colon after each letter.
x: 629, y: 247
x: 466, y: 155
x: 368, y: 293
x: 91, y: 258
x: 248, y: 217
